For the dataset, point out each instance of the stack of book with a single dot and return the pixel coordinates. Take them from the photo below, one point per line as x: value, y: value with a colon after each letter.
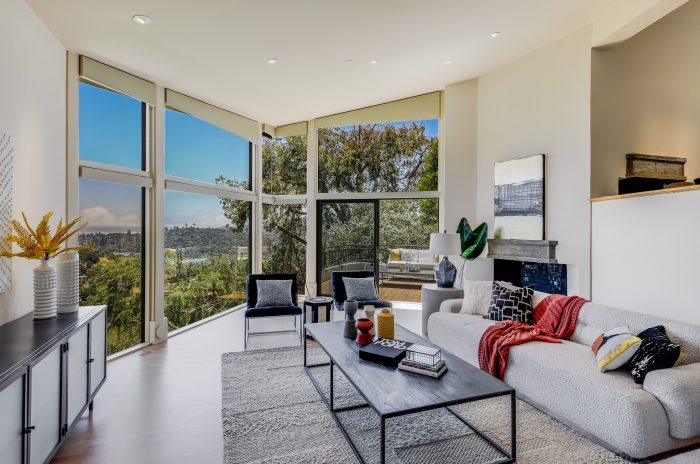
x: 424, y: 360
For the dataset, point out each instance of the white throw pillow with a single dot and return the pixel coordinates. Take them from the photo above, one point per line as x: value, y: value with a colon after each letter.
x: 408, y: 255
x: 425, y: 256
x: 477, y: 295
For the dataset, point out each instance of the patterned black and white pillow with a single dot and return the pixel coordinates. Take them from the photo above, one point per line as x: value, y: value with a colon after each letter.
x: 274, y: 293
x: 508, y: 304
x: 656, y: 351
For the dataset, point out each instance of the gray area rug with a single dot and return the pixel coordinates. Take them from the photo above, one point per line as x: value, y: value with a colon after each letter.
x: 272, y: 414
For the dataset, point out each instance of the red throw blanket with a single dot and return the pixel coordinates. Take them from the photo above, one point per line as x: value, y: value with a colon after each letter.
x: 555, y: 318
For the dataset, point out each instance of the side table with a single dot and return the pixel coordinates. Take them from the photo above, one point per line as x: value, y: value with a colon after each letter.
x: 314, y: 303
x: 431, y: 296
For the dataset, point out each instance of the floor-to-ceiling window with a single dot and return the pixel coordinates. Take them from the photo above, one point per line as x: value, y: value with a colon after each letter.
x: 284, y: 163
x: 390, y: 236
x: 112, y: 153
x: 207, y: 223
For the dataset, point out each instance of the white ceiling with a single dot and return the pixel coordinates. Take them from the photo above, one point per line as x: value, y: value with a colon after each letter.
x: 216, y: 50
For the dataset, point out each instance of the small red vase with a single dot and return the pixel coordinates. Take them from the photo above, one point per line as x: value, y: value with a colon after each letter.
x: 363, y: 326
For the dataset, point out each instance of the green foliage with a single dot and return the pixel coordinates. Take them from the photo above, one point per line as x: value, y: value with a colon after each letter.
x: 473, y: 241
x: 116, y: 282
x: 372, y: 158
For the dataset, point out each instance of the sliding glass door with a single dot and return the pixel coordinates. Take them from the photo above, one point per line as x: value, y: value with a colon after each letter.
x: 348, y: 238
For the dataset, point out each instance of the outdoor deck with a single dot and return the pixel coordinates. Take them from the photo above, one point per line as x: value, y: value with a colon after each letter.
x: 394, y: 289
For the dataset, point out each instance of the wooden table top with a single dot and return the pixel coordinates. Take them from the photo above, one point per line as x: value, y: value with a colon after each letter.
x: 392, y: 392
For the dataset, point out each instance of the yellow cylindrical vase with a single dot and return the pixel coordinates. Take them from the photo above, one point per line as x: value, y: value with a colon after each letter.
x: 385, y: 324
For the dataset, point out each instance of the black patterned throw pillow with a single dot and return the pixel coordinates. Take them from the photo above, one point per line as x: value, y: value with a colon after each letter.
x: 656, y: 351
x: 510, y: 304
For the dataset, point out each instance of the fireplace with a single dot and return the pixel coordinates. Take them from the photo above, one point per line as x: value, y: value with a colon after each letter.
x: 548, y: 278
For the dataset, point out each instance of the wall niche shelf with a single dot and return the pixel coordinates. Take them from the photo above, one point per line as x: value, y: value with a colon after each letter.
x: 531, y: 251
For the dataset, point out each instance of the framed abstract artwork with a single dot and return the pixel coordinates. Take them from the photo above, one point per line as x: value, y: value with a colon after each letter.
x: 5, y: 208
x: 519, y: 198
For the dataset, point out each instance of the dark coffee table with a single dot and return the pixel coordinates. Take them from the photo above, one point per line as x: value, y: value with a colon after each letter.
x: 378, y: 385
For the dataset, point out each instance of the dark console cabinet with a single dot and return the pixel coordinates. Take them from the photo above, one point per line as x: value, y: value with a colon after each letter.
x: 50, y: 372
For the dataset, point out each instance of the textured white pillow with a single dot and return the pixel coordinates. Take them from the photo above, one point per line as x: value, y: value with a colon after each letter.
x: 408, y: 255
x: 425, y: 256
x: 477, y: 295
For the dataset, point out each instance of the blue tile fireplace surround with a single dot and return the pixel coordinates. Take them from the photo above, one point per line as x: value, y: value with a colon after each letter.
x: 548, y: 278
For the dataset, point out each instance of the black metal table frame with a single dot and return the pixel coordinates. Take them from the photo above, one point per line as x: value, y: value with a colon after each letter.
x: 508, y: 458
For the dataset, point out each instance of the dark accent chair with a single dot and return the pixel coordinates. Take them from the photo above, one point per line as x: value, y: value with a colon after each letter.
x: 339, y: 294
x: 253, y: 311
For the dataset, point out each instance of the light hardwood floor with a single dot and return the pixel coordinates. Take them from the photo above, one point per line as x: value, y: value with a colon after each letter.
x: 163, y: 404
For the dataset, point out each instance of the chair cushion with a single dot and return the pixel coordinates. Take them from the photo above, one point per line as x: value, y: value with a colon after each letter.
x: 376, y: 303
x: 274, y: 293
x: 360, y: 288
x: 267, y: 311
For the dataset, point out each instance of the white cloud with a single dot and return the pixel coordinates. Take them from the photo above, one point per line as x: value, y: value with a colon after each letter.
x: 100, y: 218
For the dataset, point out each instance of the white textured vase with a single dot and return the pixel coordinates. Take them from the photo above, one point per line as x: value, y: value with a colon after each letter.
x: 68, y: 271
x: 44, y: 290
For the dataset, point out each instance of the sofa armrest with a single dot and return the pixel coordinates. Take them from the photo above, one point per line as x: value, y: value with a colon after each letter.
x: 678, y: 390
x: 451, y: 306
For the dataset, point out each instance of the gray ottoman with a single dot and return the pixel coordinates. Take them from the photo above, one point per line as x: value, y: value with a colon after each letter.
x: 431, y: 298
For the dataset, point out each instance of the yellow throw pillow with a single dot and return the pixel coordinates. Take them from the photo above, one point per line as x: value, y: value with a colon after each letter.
x: 394, y: 254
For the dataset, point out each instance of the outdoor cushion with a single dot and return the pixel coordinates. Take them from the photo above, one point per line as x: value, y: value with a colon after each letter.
x: 678, y: 390
x: 266, y: 311
x: 408, y: 254
x: 394, y: 254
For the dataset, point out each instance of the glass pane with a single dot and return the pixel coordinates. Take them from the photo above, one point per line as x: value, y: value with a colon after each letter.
x: 347, y: 239
x: 111, y: 273
x: 284, y: 165
x: 197, y: 150
x: 284, y: 241
x: 391, y: 157
x: 206, y: 256
x: 405, y: 261
x: 111, y: 127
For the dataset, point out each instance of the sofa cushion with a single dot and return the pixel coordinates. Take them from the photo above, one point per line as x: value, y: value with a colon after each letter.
x: 458, y: 333
x: 656, y: 352
x: 425, y: 256
x: 477, y: 295
x: 678, y: 390
x: 510, y: 305
x: 563, y: 379
x: 594, y: 319
x: 614, y: 348
x: 408, y: 254
x: 394, y: 254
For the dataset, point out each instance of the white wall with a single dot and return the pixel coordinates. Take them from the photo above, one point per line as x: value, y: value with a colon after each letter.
x: 646, y: 98
x: 645, y: 254
x: 541, y: 104
x: 33, y: 112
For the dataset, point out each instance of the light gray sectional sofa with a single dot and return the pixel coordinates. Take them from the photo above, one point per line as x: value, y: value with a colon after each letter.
x: 636, y: 421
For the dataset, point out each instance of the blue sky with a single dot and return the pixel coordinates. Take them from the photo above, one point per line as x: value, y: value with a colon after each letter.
x: 110, y: 132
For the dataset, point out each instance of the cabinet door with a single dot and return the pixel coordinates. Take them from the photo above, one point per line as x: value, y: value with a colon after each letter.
x: 45, y: 406
x: 98, y: 346
x: 77, y: 373
x: 12, y: 421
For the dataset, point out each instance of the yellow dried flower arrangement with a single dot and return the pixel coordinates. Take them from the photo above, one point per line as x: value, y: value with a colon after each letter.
x: 40, y: 243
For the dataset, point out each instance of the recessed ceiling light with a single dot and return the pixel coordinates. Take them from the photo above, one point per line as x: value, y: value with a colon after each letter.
x: 495, y: 34
x: 273, y: 61
x: 449, y: 61
x: 141, y: 19
x: 374, y: 61
x: 348, y: 61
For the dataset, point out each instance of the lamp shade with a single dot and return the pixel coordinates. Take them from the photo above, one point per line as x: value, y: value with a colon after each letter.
x: 445, y: 244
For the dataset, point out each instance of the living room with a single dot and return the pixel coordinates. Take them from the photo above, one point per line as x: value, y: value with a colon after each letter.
x: 254, y: 197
